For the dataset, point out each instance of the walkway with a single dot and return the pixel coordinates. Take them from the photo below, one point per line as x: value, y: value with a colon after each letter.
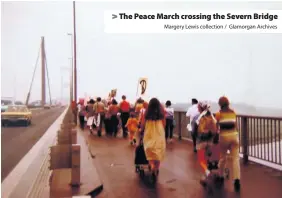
x: 179, y: 173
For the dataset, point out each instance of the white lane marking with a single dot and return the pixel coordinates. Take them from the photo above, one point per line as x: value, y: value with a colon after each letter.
x: 11, y: 181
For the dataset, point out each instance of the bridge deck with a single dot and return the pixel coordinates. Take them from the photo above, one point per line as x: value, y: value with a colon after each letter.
x: 179, y: 173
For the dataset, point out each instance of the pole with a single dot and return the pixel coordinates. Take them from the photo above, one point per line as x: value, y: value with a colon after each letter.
x: 74, y: 51
x: 43, y: 91
x: 71, y: 81
x: 71, y: 87
x: 33, y: 75
x: 71, y: 68
x: 50, y: 97
x: 62, y: 86
x: 137, y: 87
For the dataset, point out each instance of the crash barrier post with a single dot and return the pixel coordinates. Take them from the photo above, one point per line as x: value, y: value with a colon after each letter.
x: 73, y: 171
x: 66, y: 153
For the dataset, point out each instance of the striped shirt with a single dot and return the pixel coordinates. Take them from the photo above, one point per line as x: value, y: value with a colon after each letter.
x: 226, y: 120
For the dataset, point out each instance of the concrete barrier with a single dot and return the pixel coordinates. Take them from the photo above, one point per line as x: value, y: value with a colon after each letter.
x: 67, y: 137
x: 72, y: 169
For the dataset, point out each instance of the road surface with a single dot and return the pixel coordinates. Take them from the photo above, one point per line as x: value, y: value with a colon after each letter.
x: 16, y: 141
x: 179, y: 174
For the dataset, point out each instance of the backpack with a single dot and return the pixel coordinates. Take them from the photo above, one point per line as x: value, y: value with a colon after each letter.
x: 207, y: 124
x: 207, y: 128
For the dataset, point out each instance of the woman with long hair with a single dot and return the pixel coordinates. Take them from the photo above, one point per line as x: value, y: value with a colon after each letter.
x: 154, y: 143
x: 228, y: 140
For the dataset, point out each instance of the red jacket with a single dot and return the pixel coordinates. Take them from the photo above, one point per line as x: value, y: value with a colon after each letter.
x: 124, y: 106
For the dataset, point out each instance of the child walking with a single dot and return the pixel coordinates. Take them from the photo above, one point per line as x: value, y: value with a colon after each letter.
x: 132, y: 126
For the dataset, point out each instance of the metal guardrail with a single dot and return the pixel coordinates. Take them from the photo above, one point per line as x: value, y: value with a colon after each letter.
x: 260, y: 137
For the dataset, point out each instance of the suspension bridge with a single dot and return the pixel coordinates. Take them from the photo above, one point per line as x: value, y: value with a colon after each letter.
x: 54, y: 158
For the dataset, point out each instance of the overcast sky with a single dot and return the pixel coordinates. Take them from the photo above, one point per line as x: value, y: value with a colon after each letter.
x: 245, y: 67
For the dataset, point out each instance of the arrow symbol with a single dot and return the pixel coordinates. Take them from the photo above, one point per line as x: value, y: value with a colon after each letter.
x: 114, y: 16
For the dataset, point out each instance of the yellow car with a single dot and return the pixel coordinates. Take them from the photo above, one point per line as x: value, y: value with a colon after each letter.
x: 16, y: 114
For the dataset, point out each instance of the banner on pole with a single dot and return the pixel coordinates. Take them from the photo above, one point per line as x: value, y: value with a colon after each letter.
x: 142, y: 86
x: 113, y: 93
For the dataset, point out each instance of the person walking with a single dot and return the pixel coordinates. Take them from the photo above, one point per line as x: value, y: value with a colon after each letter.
x: 207, y: 130
x: 99, y: 109
x: 153, y: 124
x: 81, y: 114
x: 132, y: 126
x: 108, y: 119
x: 228, y: 140
x: 90, y: 115
x: 141, y: 116
x: 169, y: 115
x: 124, y: 107
x: 138, y: 106
x: 114, y: 110
x: 192, y: 114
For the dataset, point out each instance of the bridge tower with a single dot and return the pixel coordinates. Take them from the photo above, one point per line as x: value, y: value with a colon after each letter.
x: 44, y: 72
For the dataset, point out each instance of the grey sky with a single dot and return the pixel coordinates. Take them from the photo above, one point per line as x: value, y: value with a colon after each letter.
x: 245, y: 67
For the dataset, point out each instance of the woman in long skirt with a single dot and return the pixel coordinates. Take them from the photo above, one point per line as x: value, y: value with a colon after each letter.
x: 154, y: 143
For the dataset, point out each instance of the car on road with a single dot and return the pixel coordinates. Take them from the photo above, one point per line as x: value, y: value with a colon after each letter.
x: 47, y: 106
x: 18, y: 103
x: 16, y: 114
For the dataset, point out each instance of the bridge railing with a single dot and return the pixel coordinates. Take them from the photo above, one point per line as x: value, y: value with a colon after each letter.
x: 260, y: 137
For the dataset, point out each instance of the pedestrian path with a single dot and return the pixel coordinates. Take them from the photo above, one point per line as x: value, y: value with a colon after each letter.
x: 179, y: 173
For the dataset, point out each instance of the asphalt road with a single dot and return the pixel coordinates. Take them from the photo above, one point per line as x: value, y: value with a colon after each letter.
x: 16, y: 141
x: 179, y: 174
